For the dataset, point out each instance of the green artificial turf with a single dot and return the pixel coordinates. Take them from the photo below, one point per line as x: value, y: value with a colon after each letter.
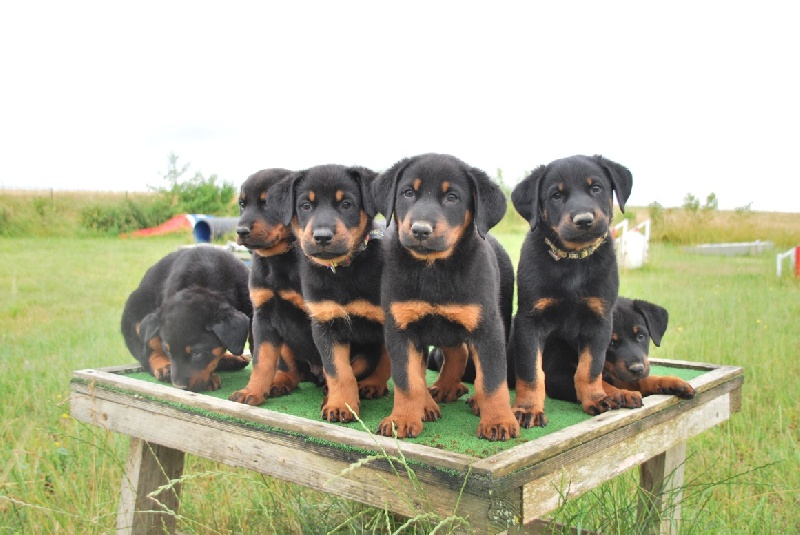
x: 455, y: 431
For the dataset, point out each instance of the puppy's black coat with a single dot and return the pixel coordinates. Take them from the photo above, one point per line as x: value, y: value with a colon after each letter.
x: 284, y: 353
x: 627, y: 365
x: 190, y: 307
x: 567, y: 279
x: 331, y: 211
x: 441, y: 288
x: 506, y: 277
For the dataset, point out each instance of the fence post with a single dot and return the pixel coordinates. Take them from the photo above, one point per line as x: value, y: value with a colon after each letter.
x: 797, y: 261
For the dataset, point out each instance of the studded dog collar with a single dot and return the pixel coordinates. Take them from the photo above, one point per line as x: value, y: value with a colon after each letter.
x: 559, y: 254
x: 373, y: 234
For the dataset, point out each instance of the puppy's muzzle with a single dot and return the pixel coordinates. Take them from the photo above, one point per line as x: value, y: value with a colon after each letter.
x: 322, y: 236
x: 421, y: 230
x: 636, y: 369
x: 583, y: 220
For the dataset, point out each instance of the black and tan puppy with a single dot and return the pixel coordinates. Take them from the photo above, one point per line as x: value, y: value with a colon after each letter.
x: 190, y: 307
x: 627, y: 365
x: 284, y: 351
x: 441, y: 288
x: 332, y: 213
x: 567, y: 279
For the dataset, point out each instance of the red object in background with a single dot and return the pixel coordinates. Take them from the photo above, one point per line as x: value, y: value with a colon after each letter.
x: 177, y: 223
x: 797, y: 261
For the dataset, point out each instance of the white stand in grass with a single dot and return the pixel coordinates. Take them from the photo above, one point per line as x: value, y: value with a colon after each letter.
x: 793, y: 255
x: 632, y: 244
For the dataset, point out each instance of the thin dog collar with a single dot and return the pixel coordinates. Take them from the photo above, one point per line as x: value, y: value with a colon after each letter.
x: 373, y: 234
x: 558, y: 254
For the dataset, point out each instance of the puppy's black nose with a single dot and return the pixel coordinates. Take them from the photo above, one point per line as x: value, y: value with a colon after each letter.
x: 242, y: 231
x: 584, y: 219
x: 323, y: 236
x: 421, y: 230
x: 636, y: 369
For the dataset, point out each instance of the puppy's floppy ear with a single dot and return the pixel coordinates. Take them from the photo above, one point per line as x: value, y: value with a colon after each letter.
x: 280, y: 198
x: 525, y: 196
x: 655, y: 317
x: 384, y: 188
x: 490, y: 201
x: 149, y: 326
x: 620, y: 177
x: 365, y: 177
x: 232, y: 327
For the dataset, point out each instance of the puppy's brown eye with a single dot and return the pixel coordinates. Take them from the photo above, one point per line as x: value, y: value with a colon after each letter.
x: 409, y: 193
x: 346, y: 205
x: 451, y: 197
x: 305, y: 206
x: 557, y: 196
x: 596, y: 188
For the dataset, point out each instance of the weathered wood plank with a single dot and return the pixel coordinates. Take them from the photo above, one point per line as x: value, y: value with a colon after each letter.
x: 522, y: 483
x: 661, y: 480
x: 263, y: 416
x: 688, y: 364
x: 292, y: 459
x: 543, y: 494
x: 149, y: 467
x: 717, y: 382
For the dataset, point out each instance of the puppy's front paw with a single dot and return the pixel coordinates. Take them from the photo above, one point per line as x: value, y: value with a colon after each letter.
x: 248, y: 396
x: 405, y: 427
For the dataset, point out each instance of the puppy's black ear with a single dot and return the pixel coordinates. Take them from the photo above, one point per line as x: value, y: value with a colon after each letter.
x: 232, y: 327
x: 620, y: 177
x: 149, y: 327
x: 655, y: 317
x: 384, y: 188
x: 490, y: 201
x: 280, y: 198
x: 365, y: 177
x: 525, y: 196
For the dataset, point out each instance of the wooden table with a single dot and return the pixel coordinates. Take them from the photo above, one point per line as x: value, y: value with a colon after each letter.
x: 510, y: 490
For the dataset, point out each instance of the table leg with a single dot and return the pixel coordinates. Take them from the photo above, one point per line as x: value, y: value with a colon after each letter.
x: 149, y: 467
x: 661, y: 481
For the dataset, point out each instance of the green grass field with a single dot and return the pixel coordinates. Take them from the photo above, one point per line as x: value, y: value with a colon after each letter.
x: 60, y: 304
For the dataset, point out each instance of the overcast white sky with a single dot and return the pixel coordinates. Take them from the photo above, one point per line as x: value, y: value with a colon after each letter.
x: 693, y: 97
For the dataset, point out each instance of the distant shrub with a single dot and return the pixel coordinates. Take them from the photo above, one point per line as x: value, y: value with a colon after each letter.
x: 124, y: 216
x: 5, y: 221
x: 691, y: 203
x: 197, y: 195
x: 712, y: 203
x: 656, y: 212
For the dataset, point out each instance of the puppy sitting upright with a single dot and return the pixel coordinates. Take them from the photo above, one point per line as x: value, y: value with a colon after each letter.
x: 567, y: 277
x: 331, y: 211
x: 189, y: 308
x: 284, y: 351
x: 441, y: 288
